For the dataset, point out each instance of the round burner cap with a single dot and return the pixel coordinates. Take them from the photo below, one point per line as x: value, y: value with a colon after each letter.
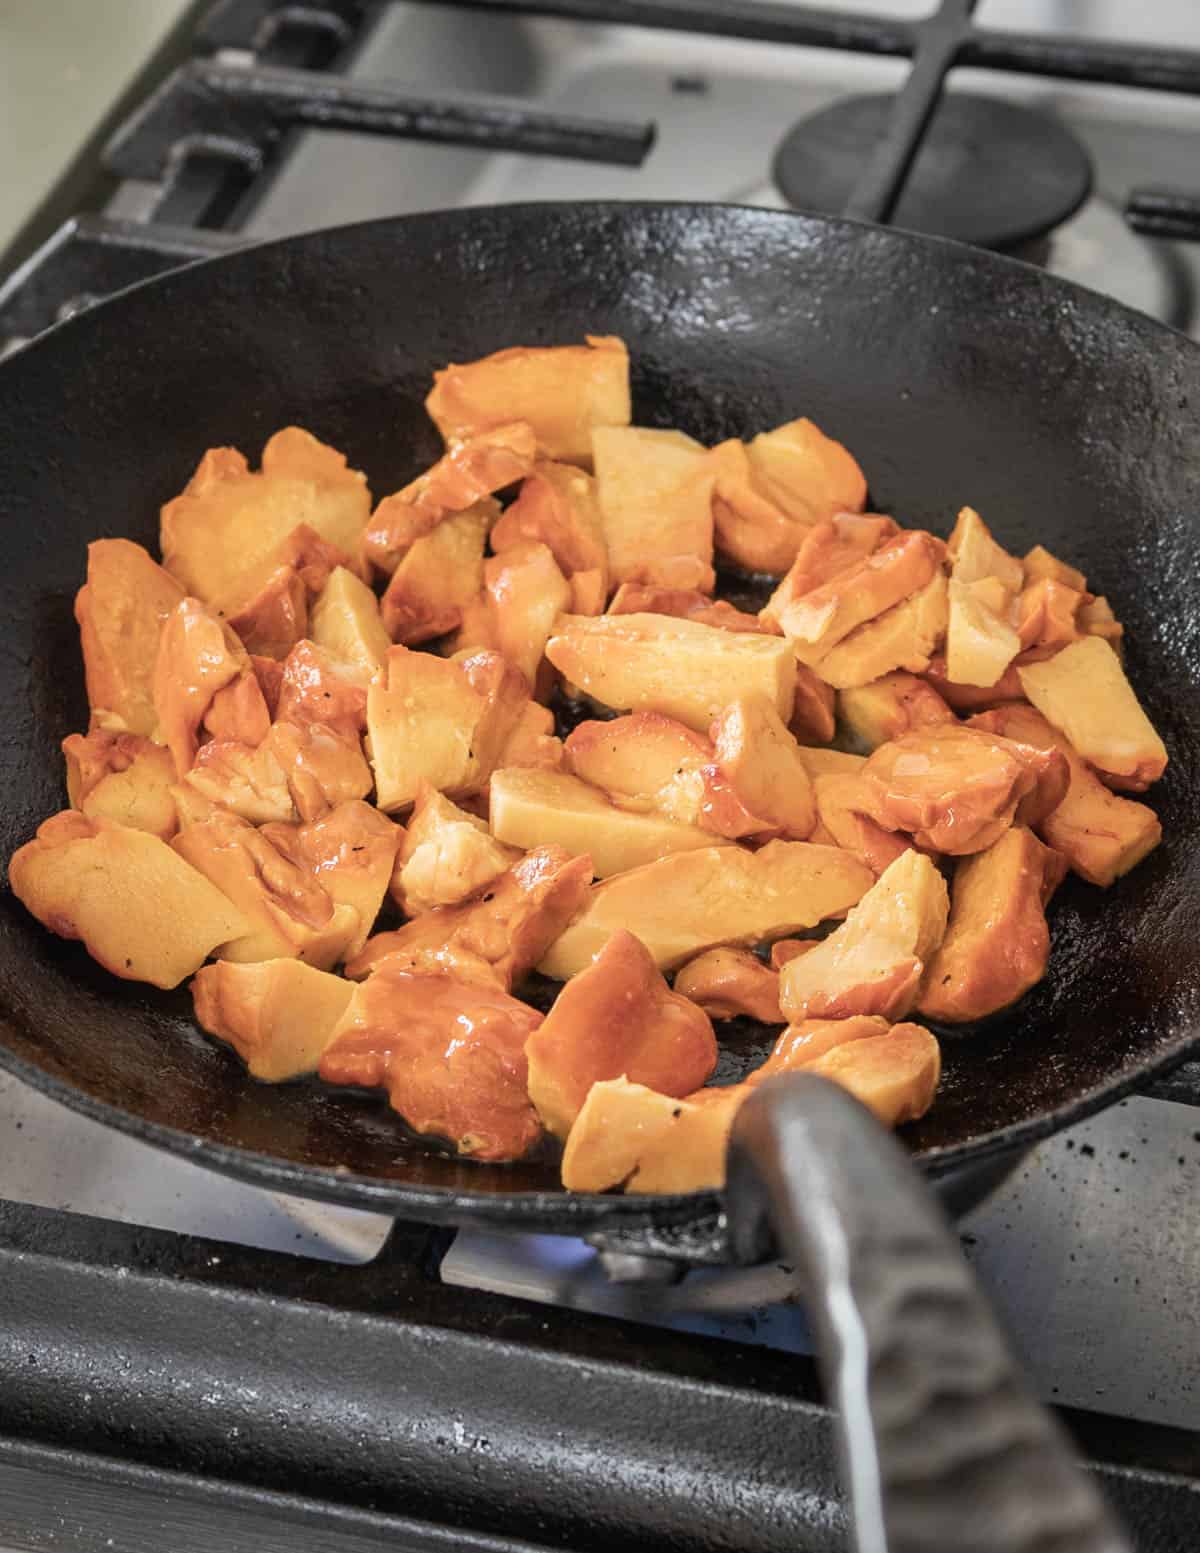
x: 988, y: 172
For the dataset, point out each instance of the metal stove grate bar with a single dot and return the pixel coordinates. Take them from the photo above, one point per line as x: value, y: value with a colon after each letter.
x: 282, y: 1352
x: 91, y: 257
x: 245, y: 23
x: 241, y: 112
x: 1164, y: 213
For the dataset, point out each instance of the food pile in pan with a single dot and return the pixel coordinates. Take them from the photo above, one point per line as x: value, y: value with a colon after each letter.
x: 317, y: 710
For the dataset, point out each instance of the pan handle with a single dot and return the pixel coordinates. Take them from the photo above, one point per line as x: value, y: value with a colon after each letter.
x: 943, y: 1447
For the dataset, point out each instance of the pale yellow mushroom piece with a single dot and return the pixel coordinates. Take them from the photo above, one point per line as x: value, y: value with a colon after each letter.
x: 278, y: 1015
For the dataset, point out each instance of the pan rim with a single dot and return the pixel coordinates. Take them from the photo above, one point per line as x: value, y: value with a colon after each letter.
x: 917, y: 240
x: 566, y: 1212
x: 586, y: 1212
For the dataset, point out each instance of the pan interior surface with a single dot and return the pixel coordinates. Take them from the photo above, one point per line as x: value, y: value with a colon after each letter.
x: 954, y: 377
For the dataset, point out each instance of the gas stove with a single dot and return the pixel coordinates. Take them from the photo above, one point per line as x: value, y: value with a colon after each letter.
x: 187, y: 1361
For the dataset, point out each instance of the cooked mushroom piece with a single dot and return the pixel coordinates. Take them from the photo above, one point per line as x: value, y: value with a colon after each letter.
x: 616, y: 1017
x: 902, y: 637
x: 873, y: 963
x: 316, y: 686
x: 438, y: 576
x: 526, y: 594
x: 447, y: 856
x: 1083, y: 692
x: 557, y: 506
x: 759, y: 757
x: 954, y: 789
x: 719, y: 895
x: 439, y: 722
x: 198, y: 656
x: 683, y: 669
x: 139, y: 908
x: 286, y: 912
x: 121, y: 609
x: 891, y: 706
x: 531, y: 807
x: 827, y: 549
x: 510, y: 927
x: 841, y: 805
x: 469, y: 471
x: 451, y: 1055
x: 807, y: 1039
x: 646, y: 761
x: 977, y: 555
x: 1101, y: 835
x: 807, y: 474
x: 345, y: 620
x: 229, y: 530
x: 278, y: 1015
x: 655, y: 494
x: 122, y: 777
x: 563, y: 391
x: 730, y: 983
x: 818, y: 620
x: 350, y: 852
x: 997, y: 944
x: 629, y: 1136
x: 643, y: 598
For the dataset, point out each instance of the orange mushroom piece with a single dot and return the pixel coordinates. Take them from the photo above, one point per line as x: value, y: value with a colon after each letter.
x: 278, y: 1015
x: 510, y: 927
x: 828, y: 549
x: 807, y: 1039
x: 557, y: 506
x: 198, y: 655
x: 439, y: 576
x: 122, y: 777
x: 468, y: 471
x: 315, y: 686
x: 731, y: 984
x: 954, y: 789
x: 350, y: 852
x: 139, y: 909
x: 997, y: 944
x: 451, y: 1055
x: 647, y: 761
x: 562, y: 391
x: 617, y: 1016
x: 121, y: 609
x: 841, y: 806
x: 814, y: 714
x: 231, y: 529
x: 760, y: 759
x: 818, y: 620
x: 1101, y: 835
x: 287, y: 912
x: 1083, y: 691
x: 634, y: 598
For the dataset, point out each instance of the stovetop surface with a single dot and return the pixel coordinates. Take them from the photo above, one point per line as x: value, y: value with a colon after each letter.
x: 1091, y: 1251
x: 721, y: 108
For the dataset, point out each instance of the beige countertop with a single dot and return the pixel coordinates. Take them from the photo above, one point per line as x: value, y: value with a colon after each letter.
x: 63, y: 66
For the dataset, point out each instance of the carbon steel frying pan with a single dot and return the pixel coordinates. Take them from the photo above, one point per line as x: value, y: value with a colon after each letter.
x: 955, y: 376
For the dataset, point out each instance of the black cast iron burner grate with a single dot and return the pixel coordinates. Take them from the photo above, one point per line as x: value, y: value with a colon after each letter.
x: 187, y: 1394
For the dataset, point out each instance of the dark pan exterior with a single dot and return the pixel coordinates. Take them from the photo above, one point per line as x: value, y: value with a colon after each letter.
x: 955, y: 377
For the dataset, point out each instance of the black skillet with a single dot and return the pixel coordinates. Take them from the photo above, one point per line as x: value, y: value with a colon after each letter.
x: 955, y: 377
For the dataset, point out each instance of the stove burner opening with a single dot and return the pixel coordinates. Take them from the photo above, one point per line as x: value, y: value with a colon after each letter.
x: 988, y: 172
